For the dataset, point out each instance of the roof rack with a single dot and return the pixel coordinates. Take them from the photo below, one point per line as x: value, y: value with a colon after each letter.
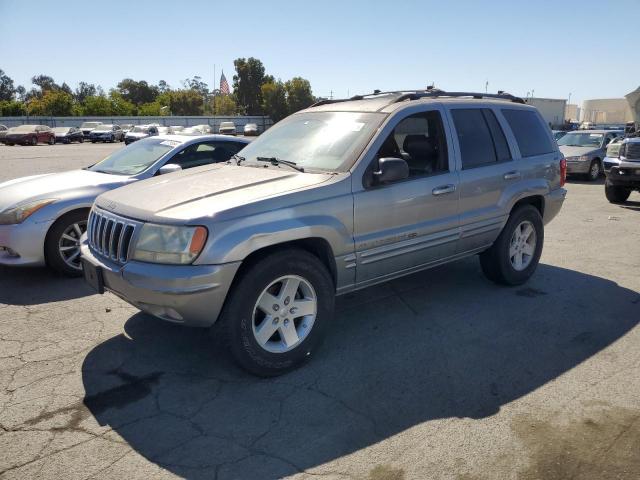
x: 430, y: 92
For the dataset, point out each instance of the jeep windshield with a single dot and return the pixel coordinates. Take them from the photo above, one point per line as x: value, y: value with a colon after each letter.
x: 136, y: 158
x: 581, y: 140
x: 329, y: 141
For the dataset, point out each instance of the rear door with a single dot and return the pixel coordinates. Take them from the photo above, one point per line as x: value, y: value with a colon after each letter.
x: 403, y: 226
x: 487, y: 170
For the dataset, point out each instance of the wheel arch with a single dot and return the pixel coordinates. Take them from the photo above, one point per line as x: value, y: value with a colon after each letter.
x: 53, y: 224
x: 536, y: 201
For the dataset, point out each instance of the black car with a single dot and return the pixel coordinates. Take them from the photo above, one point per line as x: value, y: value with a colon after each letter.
x: 68, y: 134
x: 106, y: 133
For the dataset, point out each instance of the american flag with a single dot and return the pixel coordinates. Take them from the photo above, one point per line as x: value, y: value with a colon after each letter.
x: 224, y: 85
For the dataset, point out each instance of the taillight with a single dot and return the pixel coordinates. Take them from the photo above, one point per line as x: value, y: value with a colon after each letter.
x: 563, y: 171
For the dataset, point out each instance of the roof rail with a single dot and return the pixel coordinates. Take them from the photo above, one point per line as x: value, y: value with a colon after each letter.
x: 436, y: 92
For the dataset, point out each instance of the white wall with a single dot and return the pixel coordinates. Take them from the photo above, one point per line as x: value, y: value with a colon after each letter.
x: 551, y: 109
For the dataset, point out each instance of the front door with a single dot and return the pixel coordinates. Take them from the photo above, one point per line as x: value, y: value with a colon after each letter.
x: 403, y: 226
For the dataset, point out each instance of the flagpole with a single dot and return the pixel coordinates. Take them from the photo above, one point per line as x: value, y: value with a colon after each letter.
x: 214, y: 98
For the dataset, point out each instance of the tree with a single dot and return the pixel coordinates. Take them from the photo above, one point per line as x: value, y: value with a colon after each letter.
x: 52, y: 102
x: 137, y: 92
x: 247, y: 83
x: 186, y: 102
x: 119, y: 105
x: 96, y: 105
x: 21, y: 93
x: 12, y: 108
x: 6, y: 87
x: 299, y: 94
x: 84, y: 90
x: 151, y: 109
x: 274, y: 100
x: 224, y: 105
x: 163, y: 86
x: 197, y: 84
x: 45, y: 82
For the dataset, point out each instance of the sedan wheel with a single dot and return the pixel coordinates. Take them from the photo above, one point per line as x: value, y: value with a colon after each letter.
x: 62, y: 244
x: 34, y: 141
x: 594, y: 171
x: 69, y: 244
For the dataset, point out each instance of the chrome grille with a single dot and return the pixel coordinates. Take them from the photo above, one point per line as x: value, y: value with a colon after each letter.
x: 633, y: 151
x: 110, y: 236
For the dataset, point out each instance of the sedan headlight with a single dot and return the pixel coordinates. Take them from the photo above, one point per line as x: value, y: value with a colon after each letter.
x: 584, y: 158
x: 20, y: 213
x: 169, y: 244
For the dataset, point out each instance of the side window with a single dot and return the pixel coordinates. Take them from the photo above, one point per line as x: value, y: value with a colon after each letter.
x: 203, y: 154
x: 531, y: 135
x: 420, y: 141
x: 481, y: 139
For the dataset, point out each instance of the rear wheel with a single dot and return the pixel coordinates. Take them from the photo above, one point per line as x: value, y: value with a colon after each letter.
x: 514, y: 256
x: 34, y: 141
x: 62, y: 245
x: 616, y: 194
x: 81, y: 139
x: 277, y: 313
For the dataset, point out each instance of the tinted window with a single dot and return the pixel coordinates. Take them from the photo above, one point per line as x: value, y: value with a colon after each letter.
x: 530, y: 133
x: 474, y: 137
x: 499, y: 140
x: 204, y: 154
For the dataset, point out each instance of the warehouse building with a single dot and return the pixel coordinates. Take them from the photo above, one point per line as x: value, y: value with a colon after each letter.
x: 606, y: 111
x: 551, y: 109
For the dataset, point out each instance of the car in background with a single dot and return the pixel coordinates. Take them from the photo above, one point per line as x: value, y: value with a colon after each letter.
x: 42, y: 217
x: 3, y: 132
x: 164, y: 130
x: 623, y: 172
x: 126, y: 127
x: 227, y: 128
x: 30, y: 135
x: 176, y: 128
x: 139, y: 132
x: 88, y: 127
x: 107, y: 133
x: 558, y: 134
x: 585, y: 150
x: 612, y: 157
x: 189, y: 131
x: 251, y: 130
x: 204, y: 128
x: 68, y: 134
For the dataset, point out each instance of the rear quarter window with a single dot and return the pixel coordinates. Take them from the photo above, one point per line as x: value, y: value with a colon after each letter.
x: 530, y: 133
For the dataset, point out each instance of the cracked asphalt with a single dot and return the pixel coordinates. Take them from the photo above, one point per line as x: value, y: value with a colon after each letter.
x: 439, y: 375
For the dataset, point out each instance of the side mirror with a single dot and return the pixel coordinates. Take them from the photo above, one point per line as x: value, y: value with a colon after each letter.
x: 391, y: 169
x: 169, y: 168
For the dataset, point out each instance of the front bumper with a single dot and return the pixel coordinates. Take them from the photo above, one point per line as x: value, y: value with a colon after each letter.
x: 26, y: 240
x: 578, y: 166
x: 623, y: 175
x: 553, y: 203
x: 191, y: 295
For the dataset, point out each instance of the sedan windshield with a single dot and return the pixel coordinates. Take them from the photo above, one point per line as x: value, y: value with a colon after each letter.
x: 23, y: 129
x: 316, y: 140
x: 104, y: 128
x: 140, y: 129
x: 90, y: 124
x: 135, y: 158
x: 581, y: 140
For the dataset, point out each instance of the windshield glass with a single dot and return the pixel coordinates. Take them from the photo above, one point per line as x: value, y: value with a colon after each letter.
x: 23, y: 129
x: 140, y: 129
x: 90, y: 124
x: 104, y: 128
x: 135, y: 158
x: 316, y: 140
x: 581, y: 139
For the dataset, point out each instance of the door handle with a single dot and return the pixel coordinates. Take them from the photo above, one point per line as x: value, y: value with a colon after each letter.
x: 442, y: 189
x: 512, y: 175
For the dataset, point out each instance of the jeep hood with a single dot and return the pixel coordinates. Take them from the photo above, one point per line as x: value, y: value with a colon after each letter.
x: 203, y: 192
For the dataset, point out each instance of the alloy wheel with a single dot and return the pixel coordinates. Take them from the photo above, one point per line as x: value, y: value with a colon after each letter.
x: 522, y: 246
x: 284, y: 314
x: 69, y: 244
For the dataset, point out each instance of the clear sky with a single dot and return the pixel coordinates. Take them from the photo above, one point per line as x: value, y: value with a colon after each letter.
x: 348, y: 47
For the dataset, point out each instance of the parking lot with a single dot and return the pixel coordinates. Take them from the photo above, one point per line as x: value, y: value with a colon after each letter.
x: 439, y: 375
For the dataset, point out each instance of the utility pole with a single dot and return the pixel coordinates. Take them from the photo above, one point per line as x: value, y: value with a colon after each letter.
x: 486, y: 86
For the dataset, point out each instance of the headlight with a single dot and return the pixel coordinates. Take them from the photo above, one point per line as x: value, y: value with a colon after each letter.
x: 20, y: 213
x: 169, y: 244
x: 584, y: 158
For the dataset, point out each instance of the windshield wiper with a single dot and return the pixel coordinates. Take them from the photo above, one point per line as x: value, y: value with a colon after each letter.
x: 238, y: 158
x: 278, y: 161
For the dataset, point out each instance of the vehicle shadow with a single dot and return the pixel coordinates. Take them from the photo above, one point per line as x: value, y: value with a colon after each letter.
x: 31, y: 286
x: 438, y: 344
x: 582, y: 181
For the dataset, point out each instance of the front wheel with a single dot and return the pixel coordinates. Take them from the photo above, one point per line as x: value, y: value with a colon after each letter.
x: 594, y: 171
x: 34, y: 141
x: 616, y: 194
x: 278, y: 311
x: 81, y: 139
x: 515, y: 254
x: 62, y: 245
x: 52, y: 140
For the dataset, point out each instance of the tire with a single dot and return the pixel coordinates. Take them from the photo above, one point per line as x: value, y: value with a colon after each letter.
x: 93, y: 141
x: 81, y: 139
x: 55, y: 241
x: 52, y: 140
x: 34, y: 141
x: 616, y: 194
x: 594, y: 170
x: 497, y: 263
x: 241, y: 315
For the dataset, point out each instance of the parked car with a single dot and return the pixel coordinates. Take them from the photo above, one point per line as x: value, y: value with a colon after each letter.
x: 227, y: 128
x: 189, y: 131
x: 164, y: 131
x: 176, y: 128
x: 68, y: 134
x: 3, y: 132
x: 42, y: 217
x: 334, y: 198
x: 585, y: 149
x: 107, y: 133
x: 30, y: 135
x: 139, y: 132
x: 250, y: 130
x: 88, y: 127
x: 623, y: 172
x: 126, y: 127
x: 558, y: 134
x: 203, y: 128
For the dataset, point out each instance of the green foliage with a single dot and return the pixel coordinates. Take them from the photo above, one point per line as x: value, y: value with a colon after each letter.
x: 7, y: 91
x: 119, y: 105
x: 247, y: 83
x: 53, y: 103
x: 12, y: 108
x: 84, y: 90
x: 137, y: 92
x: 96, y: 105
x: 186, y: 102
x: 223, y: 105
x: 274, y: 100
x: 299, y: 94
x: 151, y: 109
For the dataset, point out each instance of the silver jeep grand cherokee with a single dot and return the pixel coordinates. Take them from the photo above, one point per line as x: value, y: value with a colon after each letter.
x: 337, y: 197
